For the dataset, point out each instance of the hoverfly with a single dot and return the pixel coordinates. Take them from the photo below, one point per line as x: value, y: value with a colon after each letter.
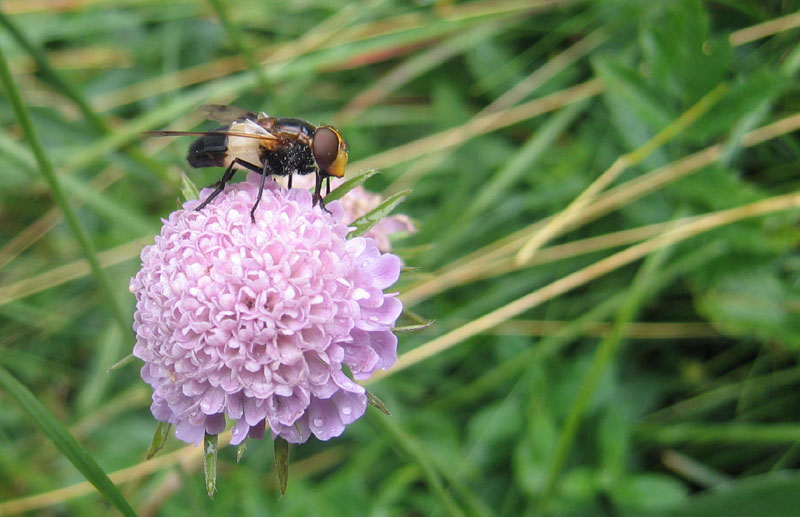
x: 270, y: 146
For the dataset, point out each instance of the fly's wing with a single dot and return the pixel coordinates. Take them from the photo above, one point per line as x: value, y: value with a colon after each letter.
x: 225, y: 114
x: 266, y: 139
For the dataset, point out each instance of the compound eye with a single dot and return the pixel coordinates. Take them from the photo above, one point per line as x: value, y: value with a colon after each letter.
x: 325, y: 147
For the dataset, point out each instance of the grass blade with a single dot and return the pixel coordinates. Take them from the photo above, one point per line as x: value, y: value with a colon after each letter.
x: 417, y: 453
x: 69, y: 90
x: 604, y: 355
x: 46, y: 168
x: 64, y: 441
x: 238, y: 42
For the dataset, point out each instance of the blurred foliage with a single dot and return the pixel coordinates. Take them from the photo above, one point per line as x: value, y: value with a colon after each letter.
x: 684, y: 404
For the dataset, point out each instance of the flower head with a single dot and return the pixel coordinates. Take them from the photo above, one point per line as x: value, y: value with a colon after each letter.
x: 254, y: 321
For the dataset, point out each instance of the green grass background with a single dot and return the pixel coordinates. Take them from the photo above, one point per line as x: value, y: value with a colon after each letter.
x: 499, y: 115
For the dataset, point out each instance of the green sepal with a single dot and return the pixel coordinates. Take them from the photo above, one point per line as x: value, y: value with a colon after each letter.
x: 282, y: 462
x: 210, y: 463
x: 413, y: 328
x: 189, y: 190
x: 159, y: 439
x: 240, y: 450
x: 340, y: 191
x: 373, y: 400
x: 128, y: 359
x: 370, y: 219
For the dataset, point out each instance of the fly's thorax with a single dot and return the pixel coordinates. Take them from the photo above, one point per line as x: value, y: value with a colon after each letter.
x: 293, y: 157
x: 299, y: 129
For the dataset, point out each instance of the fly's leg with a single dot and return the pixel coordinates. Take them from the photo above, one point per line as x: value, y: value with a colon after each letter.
x: 317, y: 189
x: 226, y: 177
x: 290, y: 180
x: 328, y: 186
x: 264, y: 173
x: 220, y: 186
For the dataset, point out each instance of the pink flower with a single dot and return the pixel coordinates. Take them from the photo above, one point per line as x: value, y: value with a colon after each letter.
x: 254, y: 321
x: 359, y: 201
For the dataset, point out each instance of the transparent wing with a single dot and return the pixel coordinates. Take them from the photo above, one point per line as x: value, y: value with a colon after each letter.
x: 268, y: 139
x: 225, y: 114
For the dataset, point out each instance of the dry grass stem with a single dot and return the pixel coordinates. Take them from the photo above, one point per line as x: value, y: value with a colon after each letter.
x: 40, y: 227
x: 271, y: 57
x: 762, y: 30
x: 130, y: 400
x: 492, y: 256
x: 33, y: 6
x: 319, y: 37
x: 71, y: 271
x: 549, y: 70
x: 574, y: 210
x: 460, y: 134
x: 455, y: 12
x: 589, y: 273
x: 660, y: 330
x: 189, y: 458
x: 518, y: 92
x: 496, y: 266
x: 683, y: 166
x: 88, y: 58
x: 401, y: 74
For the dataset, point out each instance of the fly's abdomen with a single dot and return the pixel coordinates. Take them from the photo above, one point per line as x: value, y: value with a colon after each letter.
x: 209, y: 150
x: 246, y: 149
